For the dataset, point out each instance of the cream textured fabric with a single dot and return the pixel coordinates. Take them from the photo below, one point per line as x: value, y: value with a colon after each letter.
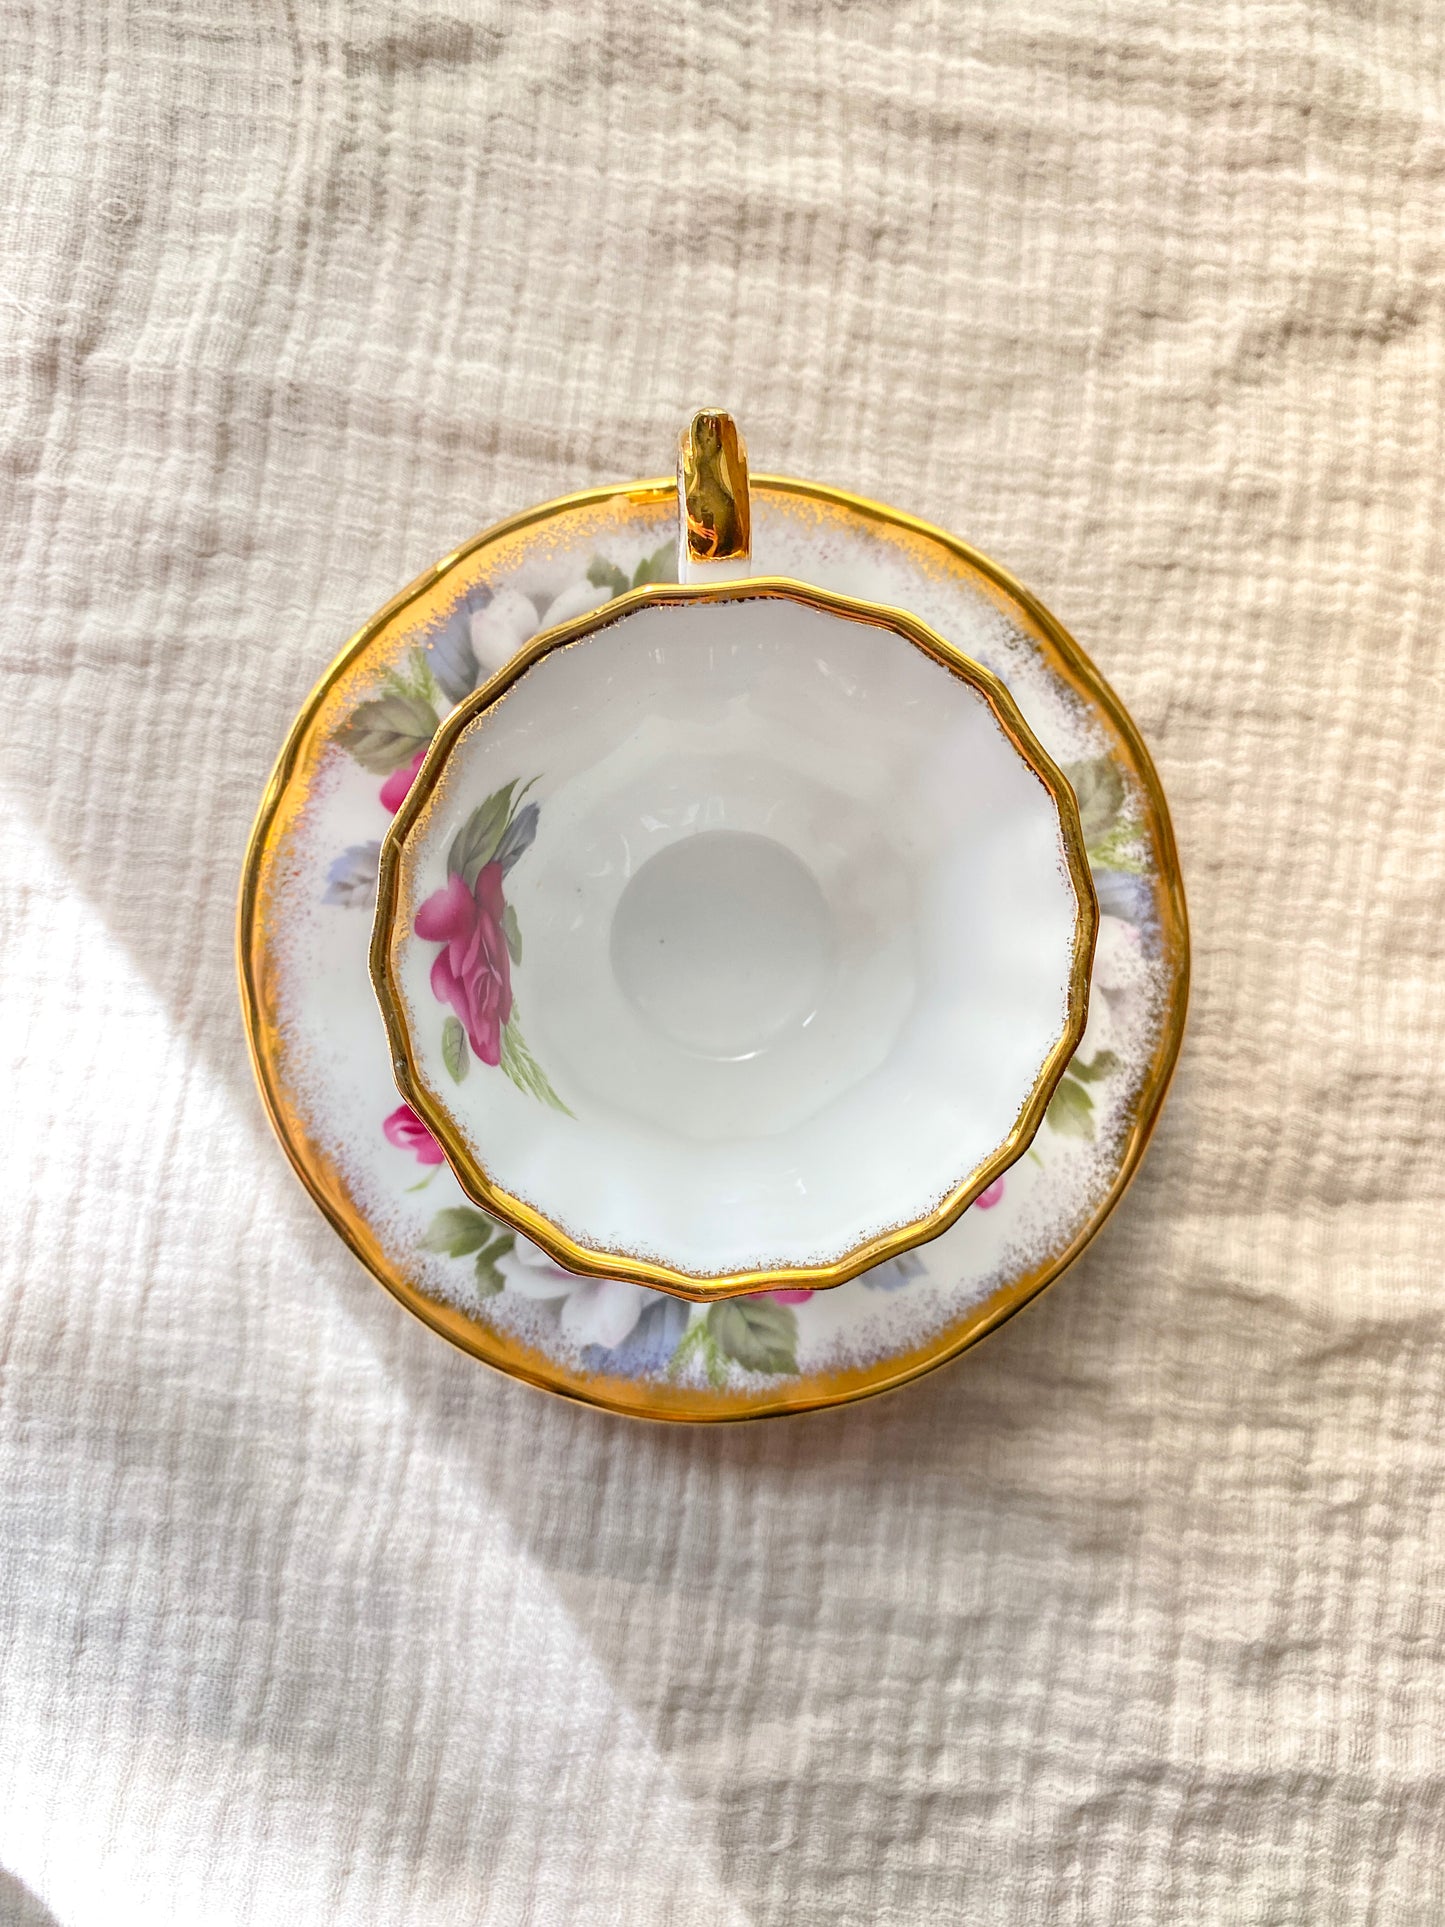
x: 1136, y: 1614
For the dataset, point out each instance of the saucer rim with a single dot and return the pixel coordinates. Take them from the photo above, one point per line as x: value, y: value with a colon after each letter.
x: 509, y: 1356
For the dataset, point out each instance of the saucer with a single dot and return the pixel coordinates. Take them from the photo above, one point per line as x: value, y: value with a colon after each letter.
x: 320, y: 1051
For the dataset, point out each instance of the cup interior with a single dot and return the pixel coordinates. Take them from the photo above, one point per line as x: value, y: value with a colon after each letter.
x: 777, y: 912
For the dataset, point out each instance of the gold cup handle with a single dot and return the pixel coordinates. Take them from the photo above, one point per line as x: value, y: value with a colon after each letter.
x: 714, y: 514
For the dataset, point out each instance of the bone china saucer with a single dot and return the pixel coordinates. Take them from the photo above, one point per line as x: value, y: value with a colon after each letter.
x: 376, y: 1171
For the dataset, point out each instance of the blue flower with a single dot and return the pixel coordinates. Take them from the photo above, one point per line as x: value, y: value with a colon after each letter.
x: 351, y: 880
x: 895, y: 1273
x: 1122, y: 894
x: 518, y: 838
x: 450, y: 653
x: 648, y: 1347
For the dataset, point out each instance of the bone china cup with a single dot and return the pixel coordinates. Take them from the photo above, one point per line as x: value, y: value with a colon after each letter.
x: 734, y: 936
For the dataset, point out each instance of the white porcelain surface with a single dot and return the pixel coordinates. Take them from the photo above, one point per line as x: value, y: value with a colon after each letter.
x: 796, y: 934
x: 723, y: 942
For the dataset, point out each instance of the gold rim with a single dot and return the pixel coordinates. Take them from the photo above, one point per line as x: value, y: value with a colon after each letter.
x: 937, y: 552
x: 391, y: 930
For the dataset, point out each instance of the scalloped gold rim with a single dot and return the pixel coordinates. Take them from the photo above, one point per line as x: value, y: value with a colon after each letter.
x: 390, y: 931
x: 641, y: 1399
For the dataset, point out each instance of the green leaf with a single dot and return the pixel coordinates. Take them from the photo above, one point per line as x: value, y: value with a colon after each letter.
x: 606, y: 575
x: 524, y: 1070
x: 714, y: 1361
x: 454, y: 1049
x: 458, y: 1231
x: 761, y: 1335
x: 475, y: 843
x: 489, y: 1280
x: 480, y: 838
x: 692, y: 1340
x: 1103, y: 1064
x: 1071, y: 1110
x: 1117, y: 851
x: 660, y: 566
x: 512, y: 931
x: 1100, y: 791
x: 417, y: 681
x: 385, y: 734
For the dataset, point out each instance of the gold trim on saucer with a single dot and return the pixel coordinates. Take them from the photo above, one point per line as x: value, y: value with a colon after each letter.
x: 584, y: 517
x: 392, y: 929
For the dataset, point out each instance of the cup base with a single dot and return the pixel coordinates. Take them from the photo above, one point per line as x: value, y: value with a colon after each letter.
x: 723, y: 942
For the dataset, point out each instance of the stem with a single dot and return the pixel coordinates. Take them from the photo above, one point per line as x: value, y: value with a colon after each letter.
x: 692, y: 1340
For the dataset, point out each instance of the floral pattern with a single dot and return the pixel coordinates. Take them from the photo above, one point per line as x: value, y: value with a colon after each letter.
x: 393, y: 790
x: 473, y: 971
x: 625, y: 1329
x: 405, y: 1130
x: 480, y: 941
x: 1116, y: 863
x: 469, y: 916
x: 351, y: 879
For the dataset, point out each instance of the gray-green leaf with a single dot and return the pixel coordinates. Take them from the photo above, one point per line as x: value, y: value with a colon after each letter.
x: 525, y: 1072
x: 458, y: 1231
x: 414, y: 678
x: 606, y: 575
x: 1071, y: 1110
x: 455, y: 1054
x: 475, y: 843
x: 1119, y: 850
x: 512, y: 931
x: 760, y: 1334
x: 489, y: 1279
x: 1102, y: 1064
x: 386, y: 733
x: 1100, y: 791
x: 660, y: 566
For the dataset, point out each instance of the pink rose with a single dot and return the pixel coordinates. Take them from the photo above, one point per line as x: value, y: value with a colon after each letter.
x: 790, y: 1297
x: 473, y: 973
x: 394, y: 789
x: 406, y: 1131
x: 986, y: 1200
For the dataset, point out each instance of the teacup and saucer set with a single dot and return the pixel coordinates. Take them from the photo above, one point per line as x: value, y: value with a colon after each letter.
x: 714, y: 947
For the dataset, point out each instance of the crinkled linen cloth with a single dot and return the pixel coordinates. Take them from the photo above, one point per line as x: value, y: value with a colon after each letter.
x: 1133, y: 1615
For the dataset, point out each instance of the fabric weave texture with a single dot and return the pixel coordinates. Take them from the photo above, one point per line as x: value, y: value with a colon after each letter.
x: 1135, y: 1615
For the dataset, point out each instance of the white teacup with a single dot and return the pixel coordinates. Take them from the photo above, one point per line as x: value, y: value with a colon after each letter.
x: 735, y: 935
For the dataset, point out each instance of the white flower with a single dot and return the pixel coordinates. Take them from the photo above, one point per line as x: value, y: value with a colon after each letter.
x: 579, y: 600
x: 499, y: 630
x: 511, y: 618
x: 1118, y: 958
x: 603, y: 1311
x: 595, y: 1311
x: 1099, y: 1031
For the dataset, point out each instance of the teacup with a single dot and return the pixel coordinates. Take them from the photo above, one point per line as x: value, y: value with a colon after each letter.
x: 736, y: 934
